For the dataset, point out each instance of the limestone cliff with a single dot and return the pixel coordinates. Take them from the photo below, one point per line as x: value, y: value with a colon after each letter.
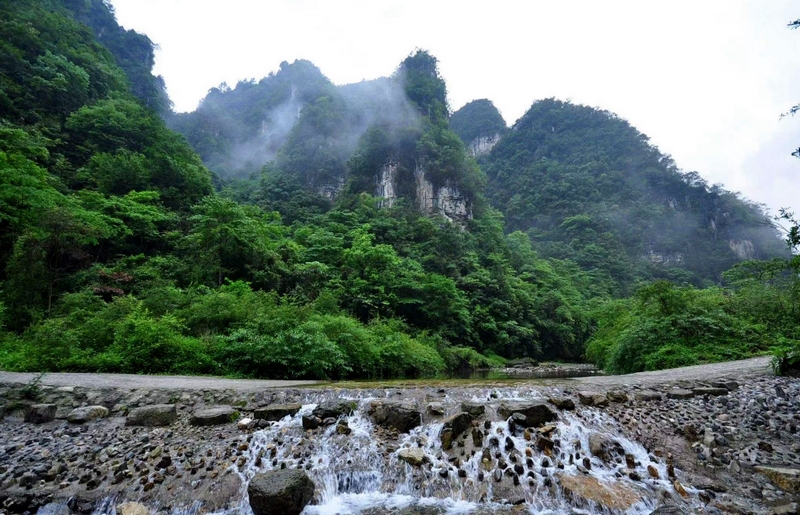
x: 482, y: 145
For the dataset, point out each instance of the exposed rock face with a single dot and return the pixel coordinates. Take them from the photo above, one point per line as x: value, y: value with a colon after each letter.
x: 152, y: 416
x: 280, y: 492
x: 41, y: 413
x: 215, y: 416
x: 331, y: 191
x: 386, y: 187
x: 664, y: 258
x: 482, y: 145
x: 445, y: 200
x: 87, y: 413
x: 743, y: 249
x: 403, y: 416
x: 536, y: 414
x: 275, y: 412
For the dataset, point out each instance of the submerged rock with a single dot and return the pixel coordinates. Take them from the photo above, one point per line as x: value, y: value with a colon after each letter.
x: 587, y: 489
x: 604, y: 446
x: 280, y: 492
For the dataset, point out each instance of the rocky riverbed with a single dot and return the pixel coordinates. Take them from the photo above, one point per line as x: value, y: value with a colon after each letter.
x: 719, y: 445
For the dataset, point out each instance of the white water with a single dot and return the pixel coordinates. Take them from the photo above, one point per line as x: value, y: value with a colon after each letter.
x: 355, y: 472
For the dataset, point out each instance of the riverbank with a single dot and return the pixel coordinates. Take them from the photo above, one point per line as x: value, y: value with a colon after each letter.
x: 703, y: 432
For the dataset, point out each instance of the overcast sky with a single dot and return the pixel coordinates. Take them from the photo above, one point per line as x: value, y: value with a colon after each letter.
x: 705, y: 79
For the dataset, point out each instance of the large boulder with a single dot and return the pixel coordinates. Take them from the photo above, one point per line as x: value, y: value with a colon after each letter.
x: 41, y: 413
x: 215, y: 416
x: 604, y: 447
x: 414, y: 456
x: 334, y: 409
x: 152, y: 416
x: 275, y: 412
x: 536, y: 414
x: 563, y: 403
x: 786, y: 479
x: 453, y: 427
x: 132, y: 508
x: 86, y: 414
x: 587, y: 491
x: 280, y: 492
x: 402, y: 416
x: 592, y: 399
x: 476, y: 409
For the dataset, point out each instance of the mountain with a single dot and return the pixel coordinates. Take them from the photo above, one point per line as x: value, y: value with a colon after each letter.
x: 479, y: 125
x: 587, y: 186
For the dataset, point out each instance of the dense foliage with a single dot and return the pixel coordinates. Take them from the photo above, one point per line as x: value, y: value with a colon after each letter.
x: 478, y: 119
x: 117, y: 254
x: 585, y: 185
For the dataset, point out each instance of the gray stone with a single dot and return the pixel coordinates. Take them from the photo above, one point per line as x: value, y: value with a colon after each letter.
x: 710, y: 391
x: 475, y: 409
x: 132, y: 508
x: 454, y: 426
x: 680, y: 393
x: 563, y: 403
x: 436, y: 409
x: 215, y: 416
x: 402, y: 416
x: 87, y: 413
x: 617, y: 396
x: 311, y: 422
x: 41, y: 413
x: 2, y: 411
x: 603, y: 446
x: 275, y: 412
x: 152, y: 416
x: 592, y: 399
x: 647, y: 395
x: 536, y: 414
x: 668, y: 510
x: 334, y: 409
x: 54, y: 509
x: 280, y: 492
x: 786, y: 479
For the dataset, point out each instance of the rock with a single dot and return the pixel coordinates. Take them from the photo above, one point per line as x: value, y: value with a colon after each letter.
x: 152, y: 416
x: 334, y: 409
x: 710, y: 391
x: 653, y: 471
x: 311, y: 422
x: 765, y: 446
x: 680, y: 393
x: 603, y: 446
x: 786, y: 479
x: 280, y: 492
x: 54, y: 509
x: 536, y: 414
x: 592, y: 399
x: 585, y: 489
x: 41, y: 413
x: 402, y: 416
x: 436, y: 409
x: 455, y: 425
x: 215, y: 416
x: 563, y: 403
x: 477, y: 438
x: 413, y: 456
x: 543, y: 443
x: 87, y: 413
x: 475, y: 409
x: 617, y: 396
x: 245, y: 424
x: 2, y: 411
x: 342, y: 428
x: 275, y: 412
x: 132, y: 508
x: 521, y: 363
x: 647, y: 395
x: 668, y: 510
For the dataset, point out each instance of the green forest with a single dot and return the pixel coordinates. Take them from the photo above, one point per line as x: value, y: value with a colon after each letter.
x: 293, y: 228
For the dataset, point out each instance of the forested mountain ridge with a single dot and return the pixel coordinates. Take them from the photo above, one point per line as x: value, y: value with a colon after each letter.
x: 585, y: 185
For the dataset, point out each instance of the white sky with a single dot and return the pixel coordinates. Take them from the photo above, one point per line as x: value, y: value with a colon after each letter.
x: 705, y: 79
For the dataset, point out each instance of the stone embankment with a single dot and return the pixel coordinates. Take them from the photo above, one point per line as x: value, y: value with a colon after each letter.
x: 722, y: 442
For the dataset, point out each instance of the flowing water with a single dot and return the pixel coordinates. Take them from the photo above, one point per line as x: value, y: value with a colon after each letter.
x: 361, y: 472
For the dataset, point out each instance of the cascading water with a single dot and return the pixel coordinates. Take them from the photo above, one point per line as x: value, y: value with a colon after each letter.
x: 357, y: 466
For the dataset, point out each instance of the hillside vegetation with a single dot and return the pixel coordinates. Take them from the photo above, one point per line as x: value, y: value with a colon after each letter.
x: 293, y: 228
